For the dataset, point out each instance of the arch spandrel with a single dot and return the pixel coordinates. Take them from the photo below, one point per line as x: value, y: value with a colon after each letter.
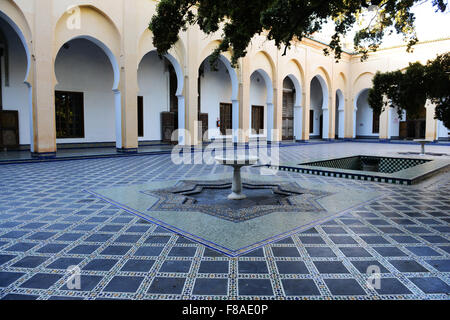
x: 175, y: 56
x: 262, y: 61
x: 13, y: 15
x: 294, y: 71
x: 322, y: 74
x: 363, y: 81
x: 93, y: 24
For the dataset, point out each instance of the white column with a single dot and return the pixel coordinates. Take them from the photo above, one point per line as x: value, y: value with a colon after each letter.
x: 341, y: 129
x: 269, y: 121
x: 30, y: 108
x: 391, y: 117
x: 326, y: 123
x: 118, y: 109
x: 235, y: 120
x: 298, y: 122
x: 181, y: 120
x: 354, y: 122
x: 431, y: 132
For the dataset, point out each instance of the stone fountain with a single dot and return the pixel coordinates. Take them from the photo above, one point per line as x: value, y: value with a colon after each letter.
x: 237, y: 163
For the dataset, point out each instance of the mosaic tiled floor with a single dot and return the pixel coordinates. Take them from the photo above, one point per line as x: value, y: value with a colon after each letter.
x: 211, y: 226
x: 48, y: 222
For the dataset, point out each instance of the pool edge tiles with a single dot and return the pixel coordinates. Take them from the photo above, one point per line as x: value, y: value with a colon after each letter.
x: 235, y: 238
x: 407, y: 176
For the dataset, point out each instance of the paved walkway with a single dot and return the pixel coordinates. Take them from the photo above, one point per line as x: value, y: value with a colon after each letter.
x: 9, y: 157
x: 48, y: 222
x: 24, y: 156
x: 82, y: 153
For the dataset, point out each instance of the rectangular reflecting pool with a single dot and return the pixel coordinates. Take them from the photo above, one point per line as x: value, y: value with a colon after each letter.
x: 404, y: 170
x: 369, y: 163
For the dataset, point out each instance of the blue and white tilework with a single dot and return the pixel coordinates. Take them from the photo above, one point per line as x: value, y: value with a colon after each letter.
x: 48, y: 222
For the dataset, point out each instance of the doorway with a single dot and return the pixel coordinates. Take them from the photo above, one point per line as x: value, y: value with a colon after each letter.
x: 69, y: 112
x: 321, y: 126
x: 226, y: 118
x: 414, y: 127
x: 1, y: 98
x: 288, y: 109
x: 258, y: 119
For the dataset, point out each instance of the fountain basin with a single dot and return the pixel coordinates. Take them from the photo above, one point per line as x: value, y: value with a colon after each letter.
x: 237, y: 163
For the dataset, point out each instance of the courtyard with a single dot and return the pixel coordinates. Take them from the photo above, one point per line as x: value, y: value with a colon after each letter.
x: 53, y: 216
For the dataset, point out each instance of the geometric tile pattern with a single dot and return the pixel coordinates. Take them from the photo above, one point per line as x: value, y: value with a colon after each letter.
x: 351, y: 167
x: 391, y: 165
x: 351, y: 163
x: 289, y: 197
x: 48, y: 222
x: 201, y: 211
x: 385, y: 165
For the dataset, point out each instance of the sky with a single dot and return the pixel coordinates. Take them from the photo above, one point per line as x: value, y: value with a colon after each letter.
x: 430, y: 25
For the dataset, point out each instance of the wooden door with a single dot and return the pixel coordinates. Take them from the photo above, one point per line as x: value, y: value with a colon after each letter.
x: 9, y: 129
x: 226, y: 118
x: 311, y: 121
x: 376, y: 123
x: 403, y: 130
x: 203, y: 118
x: 288, y: 116
x: 258, y: 119
x: 167, y: 126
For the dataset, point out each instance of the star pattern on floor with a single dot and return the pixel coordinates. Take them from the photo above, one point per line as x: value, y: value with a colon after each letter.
x: 184, y: 196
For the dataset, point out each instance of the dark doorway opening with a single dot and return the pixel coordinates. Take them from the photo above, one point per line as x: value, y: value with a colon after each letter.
x: 321, y: 127
x: 169, y: 119
x: 140, y: 114
x: 288, y: 109
x: 288, y: 115
x: 173, y: 85
x: 226, y: 118
x: 1, y: 97
x: 414, y: 127
x: 258, y: 119
x: 9, y: 130
x: 69, y: 110
x: 203, y: 119
x: 376, y: 123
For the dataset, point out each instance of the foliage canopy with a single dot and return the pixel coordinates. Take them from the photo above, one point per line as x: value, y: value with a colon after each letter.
x: 284, y: 21
x: 408, y: 90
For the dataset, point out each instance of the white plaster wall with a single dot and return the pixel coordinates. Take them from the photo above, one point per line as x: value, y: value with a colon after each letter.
x: 15, y: 96
x: 258, y: 95
x: 443, y: 131
x: 154, y: 82
x: 364, y: 116
x: 84, y: 67
x: 316, y: 104
x: 215, y: 89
